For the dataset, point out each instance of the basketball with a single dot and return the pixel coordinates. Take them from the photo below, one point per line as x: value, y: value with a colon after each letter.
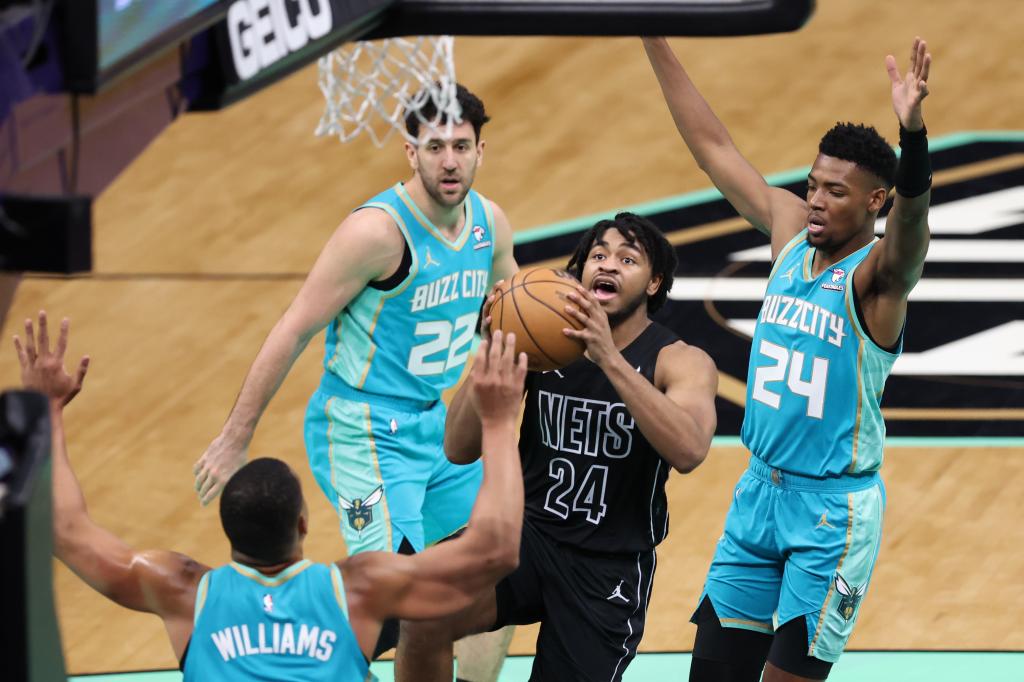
x: 531, y: 305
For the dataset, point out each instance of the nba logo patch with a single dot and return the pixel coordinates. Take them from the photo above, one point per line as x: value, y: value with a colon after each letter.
x: 478, y: 235
x: 268, y: 603
x: 837, y: 276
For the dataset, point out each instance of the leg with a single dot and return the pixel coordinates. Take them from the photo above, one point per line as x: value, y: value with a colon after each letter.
x: 595, y: 613
x: 734, y: 617
x: 726, y: 654
x: 788, y: 660
x: 832, y: 539
x: 482, y: 656
x: 362, y: 469
x: 425, y: 647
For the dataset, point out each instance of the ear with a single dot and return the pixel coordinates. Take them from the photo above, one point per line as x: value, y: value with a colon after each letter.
x: 303, y: 523
x: 411, y: 154
x: 480, y: 152
x: 654, y: 285
x: 876, y: 199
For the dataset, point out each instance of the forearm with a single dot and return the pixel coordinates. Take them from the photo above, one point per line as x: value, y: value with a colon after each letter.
x: 679, y: 437
x: 69, y: 506
x: 906, y: 230
x: 696, y: 122
x: 462, y: 430
x: 272, y: 364
x: 494, y: 528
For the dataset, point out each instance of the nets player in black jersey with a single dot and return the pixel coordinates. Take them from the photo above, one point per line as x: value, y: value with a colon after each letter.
x: 597, y: 442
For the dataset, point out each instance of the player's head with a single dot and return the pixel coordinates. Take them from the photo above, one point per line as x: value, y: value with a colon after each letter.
x: 848, y: 185
x: 446, y: 164
x: 626, y: 262
x: 263, y: 512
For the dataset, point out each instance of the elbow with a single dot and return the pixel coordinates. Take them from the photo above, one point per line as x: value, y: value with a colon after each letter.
x: 688, y: 459
x: 458, y: 454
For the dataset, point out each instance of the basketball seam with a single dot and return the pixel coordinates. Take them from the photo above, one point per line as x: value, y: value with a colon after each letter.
x: 511, y: 290
x: 572, y: 322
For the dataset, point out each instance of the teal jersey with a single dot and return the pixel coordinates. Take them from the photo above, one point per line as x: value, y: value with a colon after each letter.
x: 412, y: 341
x: 289, y: 626
x: 814, y: 385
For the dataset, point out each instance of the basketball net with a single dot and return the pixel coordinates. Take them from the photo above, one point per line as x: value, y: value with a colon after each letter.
x: 372, y: 86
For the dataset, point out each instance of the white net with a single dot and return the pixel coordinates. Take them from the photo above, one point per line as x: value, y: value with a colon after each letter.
x: 370, y: 87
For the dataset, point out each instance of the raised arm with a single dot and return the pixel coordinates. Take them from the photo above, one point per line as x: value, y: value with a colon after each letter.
x: 448, y: 577
x: 365, y: 247
x: 895, y: 265
x: 154, y: 581
x: 772, y: 210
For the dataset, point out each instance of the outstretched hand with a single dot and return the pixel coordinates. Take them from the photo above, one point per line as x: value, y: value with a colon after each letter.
x: 42, y: 369
x: 909, y: 91
x: 498, y: 377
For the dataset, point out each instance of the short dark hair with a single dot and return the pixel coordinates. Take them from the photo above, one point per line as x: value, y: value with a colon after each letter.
x: 636, y: 230
x: 260, y: 509
x: 473, y: 112
x: 863, y: 146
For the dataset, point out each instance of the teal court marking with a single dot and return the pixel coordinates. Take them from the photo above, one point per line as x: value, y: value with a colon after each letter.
x: 855, y: 666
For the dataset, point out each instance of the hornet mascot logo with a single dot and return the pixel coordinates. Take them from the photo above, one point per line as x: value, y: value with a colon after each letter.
x: 851, y: 597
x: 360, y: 512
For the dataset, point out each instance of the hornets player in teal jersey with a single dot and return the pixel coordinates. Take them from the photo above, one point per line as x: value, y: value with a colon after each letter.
x: 803, y: 532
x: 399, y: 287
x: 270, y: 614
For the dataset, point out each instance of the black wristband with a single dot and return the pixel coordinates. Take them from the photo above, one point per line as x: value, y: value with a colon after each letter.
x: 914, y: 173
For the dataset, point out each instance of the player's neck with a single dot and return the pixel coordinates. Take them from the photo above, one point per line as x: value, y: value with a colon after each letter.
x: 448, y: 219
x: 626, y: 331
x: 262, y: 566
x: 826, y: 259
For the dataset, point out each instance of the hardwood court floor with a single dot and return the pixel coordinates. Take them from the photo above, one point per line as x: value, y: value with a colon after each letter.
x: 202, y: 242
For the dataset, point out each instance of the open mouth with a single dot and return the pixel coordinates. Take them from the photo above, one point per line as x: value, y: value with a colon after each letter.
x: 604, y: 288
x: 450, y: 183
x: 815, y: 224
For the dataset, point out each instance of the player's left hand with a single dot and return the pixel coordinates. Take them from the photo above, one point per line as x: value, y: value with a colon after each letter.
x: 596, y: 332
x: 42, y: 369
x: 909, y: 91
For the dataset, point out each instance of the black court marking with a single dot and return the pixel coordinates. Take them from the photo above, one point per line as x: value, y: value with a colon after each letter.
x: 960, y: 401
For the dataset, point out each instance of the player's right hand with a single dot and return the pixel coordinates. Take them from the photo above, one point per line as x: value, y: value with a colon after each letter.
x: 498, y: 378
x: 217, y: 465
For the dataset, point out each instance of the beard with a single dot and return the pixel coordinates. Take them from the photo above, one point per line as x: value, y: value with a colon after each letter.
x: 628, y: 308
x: 433, y: 187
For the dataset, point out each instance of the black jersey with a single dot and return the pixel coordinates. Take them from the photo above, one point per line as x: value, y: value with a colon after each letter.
x: 592, y: 480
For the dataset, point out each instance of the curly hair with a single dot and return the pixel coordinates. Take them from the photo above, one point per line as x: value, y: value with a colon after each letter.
x: 636, y: 230
x: 863, y: 146
x: 259, y: 509
x: 473, y: 112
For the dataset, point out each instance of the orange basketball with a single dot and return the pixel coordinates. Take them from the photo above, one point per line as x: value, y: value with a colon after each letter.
x: 532, y: 306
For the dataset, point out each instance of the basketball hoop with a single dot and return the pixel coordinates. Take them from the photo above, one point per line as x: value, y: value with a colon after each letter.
x: 371, y: 86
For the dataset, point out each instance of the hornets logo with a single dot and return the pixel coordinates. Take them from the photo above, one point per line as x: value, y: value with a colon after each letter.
x: 851, y: 597
x: 360, y: 512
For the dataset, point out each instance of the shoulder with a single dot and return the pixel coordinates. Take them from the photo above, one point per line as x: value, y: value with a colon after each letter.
x: 681, y: 362
x: 371, y: 227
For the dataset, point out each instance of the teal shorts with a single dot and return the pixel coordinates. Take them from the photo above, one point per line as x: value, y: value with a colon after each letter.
x: 797, y: 547
x: 380, y: 461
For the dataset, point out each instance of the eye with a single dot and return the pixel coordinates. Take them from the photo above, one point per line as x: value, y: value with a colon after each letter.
x: 836, y: 194
x: 629, y: 260
x: 597, y: 256
x: 462, y: 147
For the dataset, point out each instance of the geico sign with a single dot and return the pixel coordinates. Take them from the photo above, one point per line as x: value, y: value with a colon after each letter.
x: 263, y: 31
